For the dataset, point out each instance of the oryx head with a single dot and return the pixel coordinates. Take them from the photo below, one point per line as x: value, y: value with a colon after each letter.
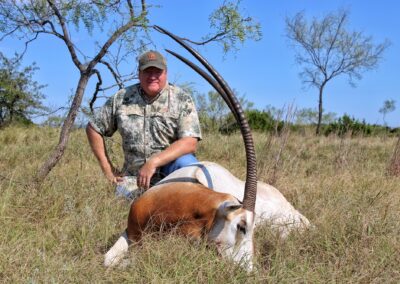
x: 232, y: 233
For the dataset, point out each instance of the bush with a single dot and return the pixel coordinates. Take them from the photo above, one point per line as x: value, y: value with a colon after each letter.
x: 261, y: 121
x: 348, y: 125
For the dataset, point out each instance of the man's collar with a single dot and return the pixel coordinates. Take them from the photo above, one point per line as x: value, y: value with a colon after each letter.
x: 150, y: 100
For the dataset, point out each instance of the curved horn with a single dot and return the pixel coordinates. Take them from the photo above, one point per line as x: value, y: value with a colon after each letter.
x: 208, y: 78
x: 250, y: 191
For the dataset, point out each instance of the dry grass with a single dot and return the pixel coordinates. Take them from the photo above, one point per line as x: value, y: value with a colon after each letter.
x: 59, y: 234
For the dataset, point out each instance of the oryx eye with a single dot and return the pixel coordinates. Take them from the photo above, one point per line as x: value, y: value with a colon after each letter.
x: 241, y: 228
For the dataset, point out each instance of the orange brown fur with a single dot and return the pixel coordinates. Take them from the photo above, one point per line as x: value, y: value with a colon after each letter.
x: 188, y: 207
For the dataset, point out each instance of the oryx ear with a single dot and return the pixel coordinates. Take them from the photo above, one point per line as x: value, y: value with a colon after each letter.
x: 230, y: 206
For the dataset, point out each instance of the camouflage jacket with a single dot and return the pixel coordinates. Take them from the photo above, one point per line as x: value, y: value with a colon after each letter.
x: 146, y: 127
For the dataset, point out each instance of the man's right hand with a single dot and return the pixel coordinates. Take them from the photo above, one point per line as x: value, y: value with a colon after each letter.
x: 114, y: 177
x: 96, y: 142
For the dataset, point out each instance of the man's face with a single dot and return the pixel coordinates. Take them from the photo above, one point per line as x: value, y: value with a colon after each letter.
x: 152, y: 80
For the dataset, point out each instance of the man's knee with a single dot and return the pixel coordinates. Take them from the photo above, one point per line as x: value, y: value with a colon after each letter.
x: 185, y: 160
x: 180, y: 162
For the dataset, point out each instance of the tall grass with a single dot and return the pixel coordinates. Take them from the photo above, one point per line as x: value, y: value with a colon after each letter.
x: 60, y: 232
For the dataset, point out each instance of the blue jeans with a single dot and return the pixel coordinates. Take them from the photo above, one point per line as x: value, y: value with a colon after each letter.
x: 128, y: 189
x: 181, y: 162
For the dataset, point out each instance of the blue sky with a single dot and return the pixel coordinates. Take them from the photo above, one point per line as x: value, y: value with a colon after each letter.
x: 264, y: 71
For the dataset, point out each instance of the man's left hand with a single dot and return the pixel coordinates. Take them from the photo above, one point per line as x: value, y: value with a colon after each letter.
x: 146, y: 173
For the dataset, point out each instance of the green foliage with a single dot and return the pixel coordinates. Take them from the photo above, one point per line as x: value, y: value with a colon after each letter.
x: 388, y: 106
x: 54, y: 121
x: 310, y: 116
x: 212, y: 110
x: 214, y: 113
x: 20, y: 95
x: 215, y: 117
x: 232, y: 27
x: 261, y: 121
x: 87, y: 14
x: 347, y: 125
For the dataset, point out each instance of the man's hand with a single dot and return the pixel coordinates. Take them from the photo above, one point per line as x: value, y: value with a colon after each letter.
x: 96, y: 142
x: 146, y: 173
x: 180, y: 147
x: 113, y: 177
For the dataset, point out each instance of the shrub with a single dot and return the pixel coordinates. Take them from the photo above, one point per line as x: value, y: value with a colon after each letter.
x: 261, y: 121
x: 348, y: 125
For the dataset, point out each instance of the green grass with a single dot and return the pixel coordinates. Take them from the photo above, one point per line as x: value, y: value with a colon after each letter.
x: 60, y: 232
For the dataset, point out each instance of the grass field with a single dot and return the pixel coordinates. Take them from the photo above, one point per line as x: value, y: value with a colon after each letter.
x: 58, y: 234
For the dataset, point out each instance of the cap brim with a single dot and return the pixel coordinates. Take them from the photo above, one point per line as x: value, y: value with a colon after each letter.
x: 152, y: 64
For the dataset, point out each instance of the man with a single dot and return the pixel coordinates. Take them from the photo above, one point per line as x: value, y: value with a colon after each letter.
x: 158, y: 123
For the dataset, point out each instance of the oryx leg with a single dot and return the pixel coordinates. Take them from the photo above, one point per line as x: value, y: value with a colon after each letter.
x: 117, y: 251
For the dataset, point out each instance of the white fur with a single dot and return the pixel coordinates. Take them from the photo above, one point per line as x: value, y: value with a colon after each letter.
x: 117, y: 252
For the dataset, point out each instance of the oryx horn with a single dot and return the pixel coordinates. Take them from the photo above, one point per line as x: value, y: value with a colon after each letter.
x: 250, y: 192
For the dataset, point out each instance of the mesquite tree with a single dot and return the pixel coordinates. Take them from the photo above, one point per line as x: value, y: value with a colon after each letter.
x: 327, y: 49
x: 122, y: 23
x: 388, y: 106
x: 20, y: 95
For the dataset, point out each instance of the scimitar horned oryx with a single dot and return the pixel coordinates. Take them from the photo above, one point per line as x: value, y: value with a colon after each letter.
x: 193, y: 209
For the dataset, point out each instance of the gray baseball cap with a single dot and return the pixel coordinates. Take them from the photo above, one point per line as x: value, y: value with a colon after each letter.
x: 152, y: 59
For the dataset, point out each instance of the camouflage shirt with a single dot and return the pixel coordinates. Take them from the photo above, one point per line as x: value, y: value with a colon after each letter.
x: 146, y: 127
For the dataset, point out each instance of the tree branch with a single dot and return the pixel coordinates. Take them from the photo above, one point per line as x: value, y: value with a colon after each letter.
x: 98, y: 84
x: 112, y: 39
x: 144, y: 8
x: 130, y: 6
x: 66, y: 37
x: 115, y: 75
x: 50, y: 113
x: 26, y: 46
x: 218, y: 36
x: 9, y: 33
x: 101, y: 3
x: 53, y: 29
x: 334, y: 40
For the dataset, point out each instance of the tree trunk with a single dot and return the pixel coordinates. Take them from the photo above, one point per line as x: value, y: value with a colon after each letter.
x: 11, y: 112
x: 394, y: 165
x: 65, y: 131
x: 321, y: 90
